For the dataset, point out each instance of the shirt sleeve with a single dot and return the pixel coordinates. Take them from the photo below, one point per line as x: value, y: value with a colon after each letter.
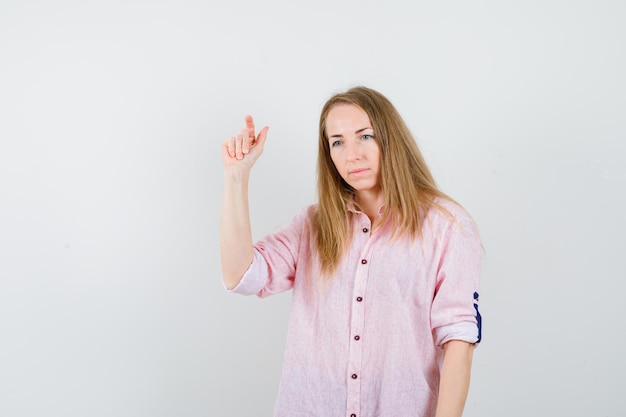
x: 275, y: 261
x: 253, y: 279
x: 454, y: 312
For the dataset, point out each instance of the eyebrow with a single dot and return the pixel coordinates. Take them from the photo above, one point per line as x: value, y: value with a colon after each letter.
x: 356, y: 133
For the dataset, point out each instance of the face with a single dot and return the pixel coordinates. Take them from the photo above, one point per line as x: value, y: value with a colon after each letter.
x: 353, y: 150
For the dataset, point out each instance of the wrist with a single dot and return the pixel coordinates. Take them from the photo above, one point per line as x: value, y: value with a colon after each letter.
x: 236, y: 176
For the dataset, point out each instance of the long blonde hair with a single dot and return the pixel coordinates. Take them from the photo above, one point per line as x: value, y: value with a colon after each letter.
x: 407, y: 184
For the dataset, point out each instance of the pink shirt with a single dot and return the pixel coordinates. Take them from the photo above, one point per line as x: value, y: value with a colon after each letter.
x: 368, y: 344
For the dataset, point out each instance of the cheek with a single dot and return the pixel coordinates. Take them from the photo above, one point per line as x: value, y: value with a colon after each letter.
x: 338, y: 167
x: 375, y: 157
x: 335, y: 161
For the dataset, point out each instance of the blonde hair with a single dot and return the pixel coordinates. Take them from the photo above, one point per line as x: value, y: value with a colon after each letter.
x: 407, y: 184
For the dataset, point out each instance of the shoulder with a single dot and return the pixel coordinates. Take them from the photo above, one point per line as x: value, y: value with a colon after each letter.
x: 304, y: 217
x: 307, y: 213
x: 448, y: 216
x: 290, y: 234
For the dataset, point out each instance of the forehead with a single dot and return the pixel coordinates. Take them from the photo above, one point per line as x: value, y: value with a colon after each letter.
x: 346, y: 118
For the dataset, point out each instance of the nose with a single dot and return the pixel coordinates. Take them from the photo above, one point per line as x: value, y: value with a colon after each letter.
x: 353, y: 150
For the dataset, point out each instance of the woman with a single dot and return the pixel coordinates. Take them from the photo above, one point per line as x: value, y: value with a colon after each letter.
x: 384, y: 271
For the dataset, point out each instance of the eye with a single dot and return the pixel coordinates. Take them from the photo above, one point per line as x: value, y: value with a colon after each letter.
x: 335, y: 143
x: 367, y: 137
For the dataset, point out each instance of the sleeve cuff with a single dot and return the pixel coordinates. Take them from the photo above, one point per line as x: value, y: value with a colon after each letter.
x: 465, y: 331
x: 254, y: 279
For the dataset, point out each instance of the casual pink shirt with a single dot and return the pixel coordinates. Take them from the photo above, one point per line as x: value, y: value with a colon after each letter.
x: 368, y: 344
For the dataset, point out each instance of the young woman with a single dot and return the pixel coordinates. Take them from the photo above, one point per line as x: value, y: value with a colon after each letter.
x: 384, y: 271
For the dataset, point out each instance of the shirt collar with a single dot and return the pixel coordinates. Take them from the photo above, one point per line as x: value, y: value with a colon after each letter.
x: 354, y: 209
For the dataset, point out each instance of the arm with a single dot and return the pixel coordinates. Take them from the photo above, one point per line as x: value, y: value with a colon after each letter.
x: 239, y: 154
x: 455, y: 378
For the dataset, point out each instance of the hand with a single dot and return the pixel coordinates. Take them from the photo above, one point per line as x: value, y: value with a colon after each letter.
x: 243, y: 150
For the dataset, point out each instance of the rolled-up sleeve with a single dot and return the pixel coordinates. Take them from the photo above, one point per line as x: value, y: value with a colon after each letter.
x: 454, y: 312
x: 254, y: 278
x: 273, y: 268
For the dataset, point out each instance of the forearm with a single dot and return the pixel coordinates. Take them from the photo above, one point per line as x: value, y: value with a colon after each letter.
x: 455, y: 378
x: 235, y: 232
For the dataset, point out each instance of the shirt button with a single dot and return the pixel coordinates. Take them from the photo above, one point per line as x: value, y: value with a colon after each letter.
x: 357, y: 337
x: 354, y: 376
x: 365, y: 230
x: 359, y: 299
x: 363, y: 261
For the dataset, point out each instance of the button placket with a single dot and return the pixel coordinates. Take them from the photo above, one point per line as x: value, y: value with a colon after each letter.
x: 357, y: 321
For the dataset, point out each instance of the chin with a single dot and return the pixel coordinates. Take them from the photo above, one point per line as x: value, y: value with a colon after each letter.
x: 363, y: 187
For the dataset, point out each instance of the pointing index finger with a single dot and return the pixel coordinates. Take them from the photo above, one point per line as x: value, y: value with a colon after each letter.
x: 250, y: 128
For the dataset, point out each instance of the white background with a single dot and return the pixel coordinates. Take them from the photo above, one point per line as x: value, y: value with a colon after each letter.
x: 111, y: 117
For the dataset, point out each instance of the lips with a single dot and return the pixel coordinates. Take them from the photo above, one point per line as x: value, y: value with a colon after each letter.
x: 357, y: 172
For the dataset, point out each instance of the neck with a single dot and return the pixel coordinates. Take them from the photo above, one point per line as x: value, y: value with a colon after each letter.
x: 370, y: 202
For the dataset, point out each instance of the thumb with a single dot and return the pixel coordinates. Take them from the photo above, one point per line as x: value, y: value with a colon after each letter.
x: 260, y: 139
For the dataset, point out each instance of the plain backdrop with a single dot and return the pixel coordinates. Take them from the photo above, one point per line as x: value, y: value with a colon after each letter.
x: 111, y: 118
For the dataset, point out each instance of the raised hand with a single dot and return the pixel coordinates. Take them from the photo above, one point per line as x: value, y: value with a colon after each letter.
x: 242, y: 150
x: 239, y: 154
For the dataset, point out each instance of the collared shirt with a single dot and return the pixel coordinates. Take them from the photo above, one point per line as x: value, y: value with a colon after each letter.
x: 367, y: 343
